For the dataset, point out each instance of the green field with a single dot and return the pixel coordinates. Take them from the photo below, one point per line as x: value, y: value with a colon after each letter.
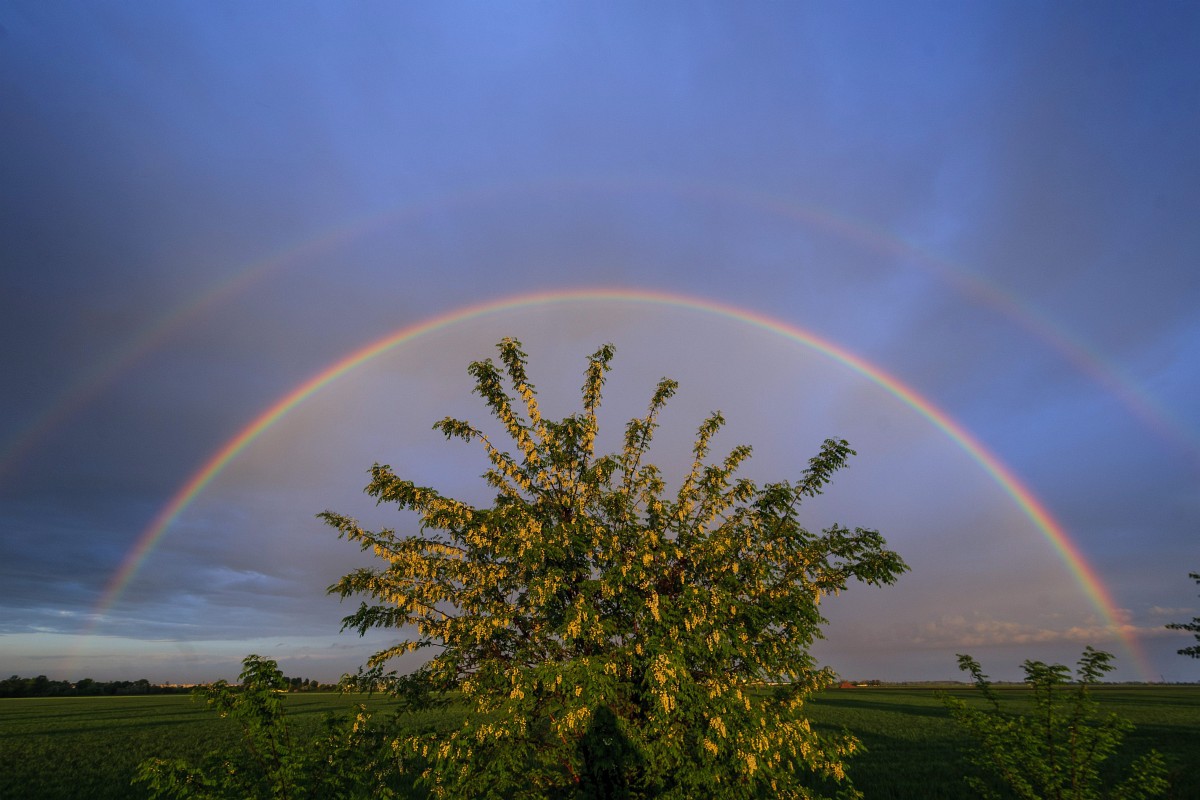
x: 914, y: 749
x: 89, y: 747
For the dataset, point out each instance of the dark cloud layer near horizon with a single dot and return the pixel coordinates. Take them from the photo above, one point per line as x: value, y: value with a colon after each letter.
x: 203, y: 206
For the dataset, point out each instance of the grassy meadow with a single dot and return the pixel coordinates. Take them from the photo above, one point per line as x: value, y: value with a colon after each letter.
x: 89, y: 747
x: 914, y: 750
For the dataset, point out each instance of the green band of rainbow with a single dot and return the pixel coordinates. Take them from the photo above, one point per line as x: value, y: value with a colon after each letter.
x: 1084, y: 574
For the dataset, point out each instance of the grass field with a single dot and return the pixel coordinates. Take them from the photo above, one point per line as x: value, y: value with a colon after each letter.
x: 89, y: 747
x: 915, y: 751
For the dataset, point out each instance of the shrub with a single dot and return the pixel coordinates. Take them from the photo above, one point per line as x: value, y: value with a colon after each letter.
x: 605, y: 636
x: 1054, y: 752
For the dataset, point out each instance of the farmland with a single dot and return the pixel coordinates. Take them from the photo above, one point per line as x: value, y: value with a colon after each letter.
x: 914, y: 750
x: 75, y: 747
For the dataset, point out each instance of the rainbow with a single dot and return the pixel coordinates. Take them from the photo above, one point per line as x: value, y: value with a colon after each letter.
x: 105, y: 371
x: 155, y: 334
x: 1055, y: 534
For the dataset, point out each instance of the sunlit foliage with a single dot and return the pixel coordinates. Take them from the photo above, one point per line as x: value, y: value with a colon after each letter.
x: 602, y: 631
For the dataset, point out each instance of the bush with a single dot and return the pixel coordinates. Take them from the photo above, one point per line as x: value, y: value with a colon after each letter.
x: 353, y: 759
x: 1055, y: 752
x: 607, y: 637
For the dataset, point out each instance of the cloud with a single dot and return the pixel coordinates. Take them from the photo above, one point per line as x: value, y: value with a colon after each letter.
x: 204, y: 210
x: 962, y: 632
x: 1159, y: 611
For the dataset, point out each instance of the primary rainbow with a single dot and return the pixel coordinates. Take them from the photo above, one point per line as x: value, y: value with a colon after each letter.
x: 1084, y: 574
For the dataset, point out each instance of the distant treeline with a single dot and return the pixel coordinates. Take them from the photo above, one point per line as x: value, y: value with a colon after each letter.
x: 41, y: 686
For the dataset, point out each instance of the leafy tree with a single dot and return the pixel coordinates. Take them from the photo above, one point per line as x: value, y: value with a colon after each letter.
x: 1055, y: 752
x: 586, y: 599
x: 351, y: 759
x: 1193, y: 626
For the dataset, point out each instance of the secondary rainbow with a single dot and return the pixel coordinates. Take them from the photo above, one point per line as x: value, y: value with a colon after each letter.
x: 1055, y: 534
x: 106, y: 370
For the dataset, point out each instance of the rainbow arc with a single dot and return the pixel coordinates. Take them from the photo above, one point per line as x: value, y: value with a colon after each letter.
x: 1055, y: 534
x: 106, y: 370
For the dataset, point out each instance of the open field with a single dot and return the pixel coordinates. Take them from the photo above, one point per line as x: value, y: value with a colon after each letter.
x: 89, y: 747
x: 914, y: 749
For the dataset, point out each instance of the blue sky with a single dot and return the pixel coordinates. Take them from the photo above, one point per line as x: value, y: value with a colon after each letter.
x: 203, y: 205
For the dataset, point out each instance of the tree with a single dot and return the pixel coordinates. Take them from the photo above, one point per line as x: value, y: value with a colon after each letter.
x: 1193, y: 626
x: 585, y: 598
x: 1055, y: 752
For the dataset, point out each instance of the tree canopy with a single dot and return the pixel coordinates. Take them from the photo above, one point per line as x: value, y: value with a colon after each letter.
x: 609, y: 638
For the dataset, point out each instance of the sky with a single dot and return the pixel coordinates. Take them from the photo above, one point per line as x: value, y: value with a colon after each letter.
x: 961, y: 236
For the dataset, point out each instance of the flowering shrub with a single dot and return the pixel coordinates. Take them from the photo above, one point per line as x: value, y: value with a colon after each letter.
x: 608, y: 638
